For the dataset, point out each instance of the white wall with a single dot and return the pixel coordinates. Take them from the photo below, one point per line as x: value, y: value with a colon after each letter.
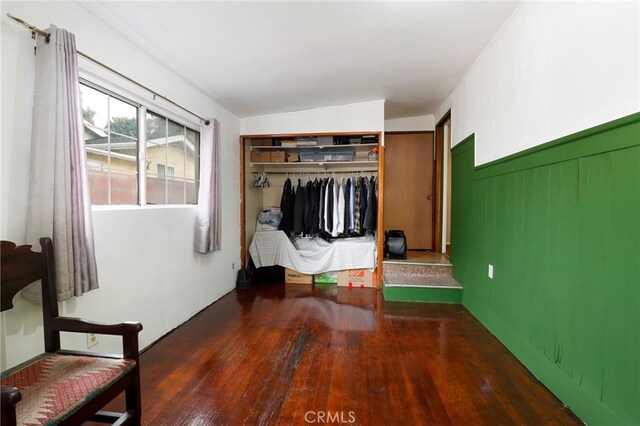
x: 364, y: 116
x: 553, y: 69
x: 410, y: 124
x: 146, y: 264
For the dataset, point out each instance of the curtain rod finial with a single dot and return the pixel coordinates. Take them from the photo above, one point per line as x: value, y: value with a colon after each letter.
x: 207, y: 122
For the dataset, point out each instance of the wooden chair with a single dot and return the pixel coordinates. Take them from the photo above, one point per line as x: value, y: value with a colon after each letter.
x: 79, y: 384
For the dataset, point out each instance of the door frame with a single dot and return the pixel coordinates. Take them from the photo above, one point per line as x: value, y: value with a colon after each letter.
x: 433, y: 178
x: 439, y: 181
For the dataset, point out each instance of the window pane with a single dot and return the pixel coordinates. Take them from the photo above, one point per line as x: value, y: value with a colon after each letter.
x: 192, y: 154
x: 156, y: 158
x: 95, y: 107
x: 95, y: 112
x: 175, y: 129
x: 98, y: 185
x: 175, y: 150
x: 124, y: 188
x: 175, y: 159
x: 156, y: 189
x: 123, y: 152
x: 192, y: 192
x: 124, y: 120
x: 156, y: 127
x: 110, y: 133
x: 175, y: 191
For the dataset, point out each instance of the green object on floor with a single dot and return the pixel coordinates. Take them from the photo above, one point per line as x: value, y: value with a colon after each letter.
x: 326, y: 278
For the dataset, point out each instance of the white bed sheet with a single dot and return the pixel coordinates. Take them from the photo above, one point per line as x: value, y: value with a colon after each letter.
x: 312, y: 255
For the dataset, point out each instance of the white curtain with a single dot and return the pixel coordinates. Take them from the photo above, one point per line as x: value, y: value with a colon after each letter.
x: 59, y: 200
x: 207, y: 235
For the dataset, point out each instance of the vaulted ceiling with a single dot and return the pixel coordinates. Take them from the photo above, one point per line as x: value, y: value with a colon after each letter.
x: 258, y: 58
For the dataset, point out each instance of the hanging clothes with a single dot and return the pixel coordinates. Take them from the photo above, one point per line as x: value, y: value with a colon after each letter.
x: 347, y: 216
x: 330, y: 203
x: 356, y: 211
x: 336, y: 209
x: 287, y: 202
x: 322, y: 214
x: 364, y: 193
x: 298, y: 212
x: 340, y: 210
x: 315, y: 208
x: 370, y: 215
x: 308, y: 207
x: 330, y: 207
x: 352, y: 195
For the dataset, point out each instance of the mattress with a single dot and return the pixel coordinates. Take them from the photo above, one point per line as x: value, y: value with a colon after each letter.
x: 312, y: 255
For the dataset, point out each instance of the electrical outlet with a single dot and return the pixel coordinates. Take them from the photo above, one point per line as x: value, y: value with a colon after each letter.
x: 92, y: 340
x: 490, y: 271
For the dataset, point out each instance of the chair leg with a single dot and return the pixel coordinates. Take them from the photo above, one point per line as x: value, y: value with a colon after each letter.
x: 133, y: 399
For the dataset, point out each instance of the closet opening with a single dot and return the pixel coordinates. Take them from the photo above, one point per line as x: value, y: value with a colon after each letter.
x: 442, y: 186
x: 312, y: 203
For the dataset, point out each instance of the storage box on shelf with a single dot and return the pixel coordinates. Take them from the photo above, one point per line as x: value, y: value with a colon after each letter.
x: 326, y: 155
x: 260, y: 156
x: 262, y: 142
x: 279, y: 156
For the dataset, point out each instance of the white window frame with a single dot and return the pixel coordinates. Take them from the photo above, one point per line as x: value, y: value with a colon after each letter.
x: 97, y: 79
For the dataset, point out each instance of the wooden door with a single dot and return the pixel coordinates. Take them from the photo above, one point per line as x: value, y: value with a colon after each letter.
x: 408, y: 184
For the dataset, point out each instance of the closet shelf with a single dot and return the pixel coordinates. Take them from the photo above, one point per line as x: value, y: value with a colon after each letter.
x: 318, y: 163
x: 305, y: 166
x: 321, y: 147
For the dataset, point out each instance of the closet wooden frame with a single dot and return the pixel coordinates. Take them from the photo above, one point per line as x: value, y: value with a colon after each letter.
x: 243, y: 165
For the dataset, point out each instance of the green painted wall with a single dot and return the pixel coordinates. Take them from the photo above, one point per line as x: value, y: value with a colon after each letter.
x: 561, y: 225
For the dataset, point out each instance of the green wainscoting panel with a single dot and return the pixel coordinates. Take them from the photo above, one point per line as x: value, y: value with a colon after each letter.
x: 422, y: 294
x: 560, y: 223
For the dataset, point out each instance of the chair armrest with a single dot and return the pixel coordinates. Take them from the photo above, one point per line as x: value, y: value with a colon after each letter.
x: 9, y: 397
x: 128, y: 330
x: 79, y: 325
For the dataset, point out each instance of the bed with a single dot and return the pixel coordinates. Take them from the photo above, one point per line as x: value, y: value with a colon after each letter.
x: 312, y: 255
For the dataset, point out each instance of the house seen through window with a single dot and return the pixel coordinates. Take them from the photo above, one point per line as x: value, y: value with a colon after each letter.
x: 113, y: 147
x: 172, y: 158
x: 111, y: 143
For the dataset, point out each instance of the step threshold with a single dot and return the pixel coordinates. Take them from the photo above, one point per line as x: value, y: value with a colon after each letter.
x: 450, y: 286
x: 409, y: 262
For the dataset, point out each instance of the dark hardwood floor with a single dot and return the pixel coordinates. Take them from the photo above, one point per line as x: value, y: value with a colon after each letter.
x: 292, y: 354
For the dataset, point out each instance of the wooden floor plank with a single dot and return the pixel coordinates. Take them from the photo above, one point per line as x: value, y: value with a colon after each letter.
x: 279, y: 354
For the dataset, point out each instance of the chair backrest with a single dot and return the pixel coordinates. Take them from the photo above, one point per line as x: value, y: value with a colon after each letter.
x: 19, y: 267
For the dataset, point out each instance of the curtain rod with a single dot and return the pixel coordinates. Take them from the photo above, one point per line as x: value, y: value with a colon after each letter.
x: 37, y: 31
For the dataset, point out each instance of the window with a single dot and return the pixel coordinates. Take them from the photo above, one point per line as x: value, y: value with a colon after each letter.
x: 167, y: 171
x: 113, y: 146
x: 172, y: 160
x: 111, y: 143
